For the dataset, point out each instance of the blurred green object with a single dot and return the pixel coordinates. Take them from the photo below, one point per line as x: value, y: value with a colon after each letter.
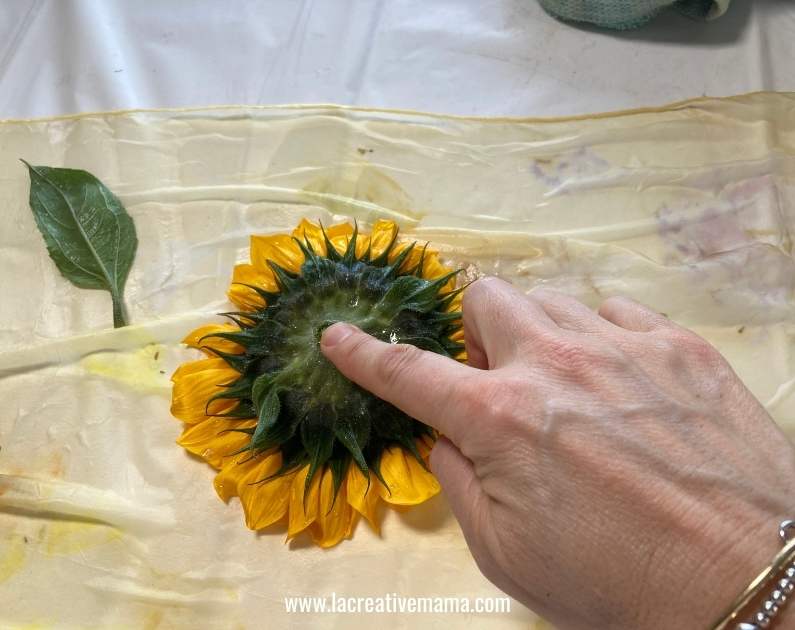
x: 626, y: 14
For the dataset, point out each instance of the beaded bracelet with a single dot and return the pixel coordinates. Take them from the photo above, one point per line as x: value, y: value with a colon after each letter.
x: 783, y: 564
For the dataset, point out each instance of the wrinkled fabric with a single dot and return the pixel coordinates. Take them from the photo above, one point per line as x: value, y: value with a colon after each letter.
x: 688, y: 208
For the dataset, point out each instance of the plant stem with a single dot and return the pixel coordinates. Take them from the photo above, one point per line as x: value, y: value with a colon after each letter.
x: 119, y: 316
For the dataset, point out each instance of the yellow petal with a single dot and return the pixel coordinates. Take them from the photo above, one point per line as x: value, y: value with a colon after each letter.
x: 382, y: 235
x: 243, y: 297
x: 196, y: 339
x: 280, y: 248
x: 339, y: 230
x: 335, y: 519
x: 212, y: 439
x: 408, y: 482
x: 195, y: 383
x: 301, y: 518
x: 363, y: 499
x: 194, y: 367
x: 234, y: 470
x: 265, y: 502
x: 311, y: 233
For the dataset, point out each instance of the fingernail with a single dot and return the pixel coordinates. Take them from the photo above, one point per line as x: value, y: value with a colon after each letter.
x: 336, y: 334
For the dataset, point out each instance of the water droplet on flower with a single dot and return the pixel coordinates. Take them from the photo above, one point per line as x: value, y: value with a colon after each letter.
x: 207, y: 452
x: 393, y: 338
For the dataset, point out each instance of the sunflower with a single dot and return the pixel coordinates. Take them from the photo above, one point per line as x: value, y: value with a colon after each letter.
x: 290, y: 436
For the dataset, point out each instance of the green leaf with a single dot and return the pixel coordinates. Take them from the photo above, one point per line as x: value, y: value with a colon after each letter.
x: 88, y: 233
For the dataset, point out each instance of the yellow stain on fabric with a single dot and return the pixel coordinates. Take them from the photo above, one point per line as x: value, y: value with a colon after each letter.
x: 140, y: 370
x: 12, y: 557
x: 153, y: 620
x: 63, y: 539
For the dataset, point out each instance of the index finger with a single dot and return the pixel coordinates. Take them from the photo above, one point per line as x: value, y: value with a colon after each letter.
x: 427, y: 386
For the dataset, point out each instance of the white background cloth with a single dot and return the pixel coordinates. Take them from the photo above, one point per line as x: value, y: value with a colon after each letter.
x: 481, y: 57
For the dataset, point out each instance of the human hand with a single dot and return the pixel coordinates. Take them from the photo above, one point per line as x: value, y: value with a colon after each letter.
x: 608, y: 470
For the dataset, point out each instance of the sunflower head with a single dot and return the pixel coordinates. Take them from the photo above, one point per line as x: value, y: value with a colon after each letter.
x: 282, y: 400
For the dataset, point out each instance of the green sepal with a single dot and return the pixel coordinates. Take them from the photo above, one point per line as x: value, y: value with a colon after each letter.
x: 391, y: 271
x: 452, y: 347
x: 444, y: 318
x: 447, y: 299
x: 375, y: 468
x: 306, y: 250
x: 267, y: 296
x: 239, y: 388
x: 244, y: 410
x: 401, y: 289
x: 243, y: 319
x: 425, y: 298
x: 417, y: 271
x: 247, y: 431
x: 344, y: 432
x: 411, y: 447
x: 393, y: 424
x: 349, y: 257
x: 331, y: 251
x: 285, y: 279
x: 265, y: 395
x: 277, y: 435
x: 338, y: 467
x: 290, y: 461
x: 318, y: 441
x: 238, y: 362
x: 243, y: 338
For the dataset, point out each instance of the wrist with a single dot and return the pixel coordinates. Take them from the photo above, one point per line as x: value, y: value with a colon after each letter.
x: 710, y: 568
x: 763, y: 603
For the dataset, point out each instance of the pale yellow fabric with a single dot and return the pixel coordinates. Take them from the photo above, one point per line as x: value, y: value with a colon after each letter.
x: 105, y: 522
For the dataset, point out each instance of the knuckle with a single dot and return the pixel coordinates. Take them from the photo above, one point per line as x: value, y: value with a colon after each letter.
x: 395, y: 361
x: 691, y: 347
x: 500, y: 401
x: 574, y: 356
x: 545, y: 293
x: 614, y: 303
x: 663, y: 347
x: 356, y: 345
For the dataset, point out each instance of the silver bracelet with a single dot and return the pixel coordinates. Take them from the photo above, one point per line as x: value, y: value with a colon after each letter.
x: 783, y: 565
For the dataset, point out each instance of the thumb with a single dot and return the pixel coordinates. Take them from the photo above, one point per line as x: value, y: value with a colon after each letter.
x: 461, y: 486
x: 427, y: 386
x: 472, y: 508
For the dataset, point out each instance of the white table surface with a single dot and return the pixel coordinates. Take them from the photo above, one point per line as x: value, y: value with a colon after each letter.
x: 475, y: 57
